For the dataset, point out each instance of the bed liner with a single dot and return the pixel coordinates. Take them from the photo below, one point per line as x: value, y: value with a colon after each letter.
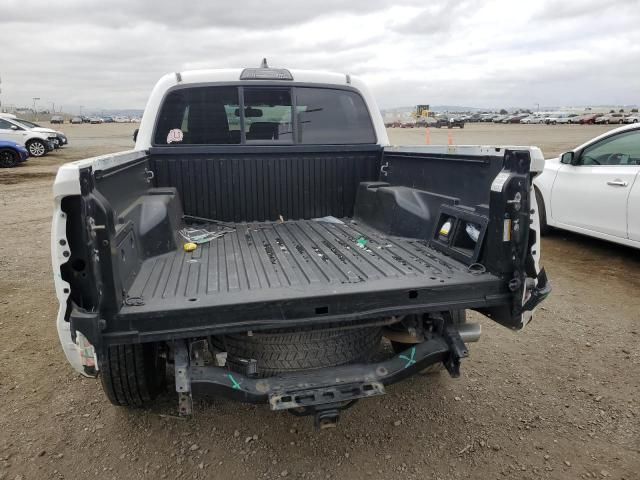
x: 303, y: 268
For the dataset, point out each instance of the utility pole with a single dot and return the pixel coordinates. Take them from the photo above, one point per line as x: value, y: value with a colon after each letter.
x: 80, y: 110
x: 35, y: 110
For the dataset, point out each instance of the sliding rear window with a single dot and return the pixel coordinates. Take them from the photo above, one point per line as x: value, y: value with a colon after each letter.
x: 267, y: 115
x: 328, y: 116
x: 263, y: 115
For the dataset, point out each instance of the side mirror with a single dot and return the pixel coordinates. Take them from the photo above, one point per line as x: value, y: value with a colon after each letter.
x: 135, y: 134
x: 567, y: 158
x: 13, y: 127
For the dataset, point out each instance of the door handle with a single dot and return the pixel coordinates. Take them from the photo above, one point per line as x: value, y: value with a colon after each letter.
x: 617, y: 183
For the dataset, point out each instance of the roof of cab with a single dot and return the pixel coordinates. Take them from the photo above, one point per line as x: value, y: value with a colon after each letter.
x: 214, y: 76
x: 233, y: 75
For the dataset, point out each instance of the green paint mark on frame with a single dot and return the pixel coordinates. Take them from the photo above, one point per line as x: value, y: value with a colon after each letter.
x: 234, y: 382
x: 410, y: 360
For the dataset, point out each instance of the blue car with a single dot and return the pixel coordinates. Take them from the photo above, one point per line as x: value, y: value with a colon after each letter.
x: 11, y: 154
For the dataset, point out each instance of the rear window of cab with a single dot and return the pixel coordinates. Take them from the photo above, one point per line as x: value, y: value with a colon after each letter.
x: 230, y: 115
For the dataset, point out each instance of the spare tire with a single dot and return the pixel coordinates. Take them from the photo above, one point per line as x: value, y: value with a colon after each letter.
x: 291, y: 351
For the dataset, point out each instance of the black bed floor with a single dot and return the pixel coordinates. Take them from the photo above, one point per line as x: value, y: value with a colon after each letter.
x: 291, y: 260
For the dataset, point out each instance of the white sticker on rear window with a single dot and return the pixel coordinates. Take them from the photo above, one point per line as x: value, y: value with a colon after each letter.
x: 499, y: 181
x: 175, y: 136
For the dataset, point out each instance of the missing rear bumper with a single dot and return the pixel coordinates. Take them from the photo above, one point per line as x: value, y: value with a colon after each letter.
x: 312, y: 391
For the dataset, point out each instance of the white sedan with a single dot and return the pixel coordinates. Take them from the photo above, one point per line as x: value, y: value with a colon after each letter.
x: 532, y: 119
x: 595, y: 188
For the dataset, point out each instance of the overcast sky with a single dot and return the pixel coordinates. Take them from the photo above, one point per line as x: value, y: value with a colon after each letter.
x: 109, y: 53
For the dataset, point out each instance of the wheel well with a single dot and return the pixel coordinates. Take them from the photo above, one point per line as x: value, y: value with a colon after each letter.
x: 537, y: 190
x: 544, y: 204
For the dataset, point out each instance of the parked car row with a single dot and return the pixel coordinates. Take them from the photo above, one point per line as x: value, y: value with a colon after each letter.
x: 525, y: 118
x: 619, y: 118
x: 18, y: 135
x: 435, y: 122
x: 563, y: 118
x: 96, y: 120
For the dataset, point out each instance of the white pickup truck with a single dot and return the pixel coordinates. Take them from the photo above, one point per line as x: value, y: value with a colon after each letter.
x: 263, y: 237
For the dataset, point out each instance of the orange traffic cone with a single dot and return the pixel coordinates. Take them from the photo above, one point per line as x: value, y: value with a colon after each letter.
x: 428, y: 137
x: 450, y: 138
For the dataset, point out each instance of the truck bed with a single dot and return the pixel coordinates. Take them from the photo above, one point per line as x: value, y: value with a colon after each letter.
x: 266, y: 274
x: 302, y: 268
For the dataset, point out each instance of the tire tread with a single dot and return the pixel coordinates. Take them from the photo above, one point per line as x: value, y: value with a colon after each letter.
x: 291, y: 351
x: 129, y: 375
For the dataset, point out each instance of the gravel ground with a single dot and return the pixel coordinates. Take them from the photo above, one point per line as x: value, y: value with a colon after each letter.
x: 557, y: 400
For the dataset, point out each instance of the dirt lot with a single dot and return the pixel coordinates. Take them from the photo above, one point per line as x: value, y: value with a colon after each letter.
x: 558, y: 400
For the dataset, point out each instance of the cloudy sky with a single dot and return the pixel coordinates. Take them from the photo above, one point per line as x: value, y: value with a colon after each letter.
x: 109, y: 53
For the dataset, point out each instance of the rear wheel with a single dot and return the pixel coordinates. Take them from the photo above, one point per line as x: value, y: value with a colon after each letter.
x: 37, y: 148
x: 282, y: 351
x: 133, y: 375
x: 8, y: 158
